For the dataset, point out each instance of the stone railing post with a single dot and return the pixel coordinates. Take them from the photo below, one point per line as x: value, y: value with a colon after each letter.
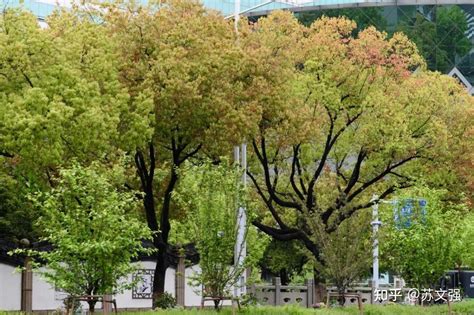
x: 106, y: 304
x: 277, y: 291
x: 26, y: 281
x: 252, y: 289
x: 371, y: 286
x: 309, y: 292
x: 180, y: 281
x: 27, y: 287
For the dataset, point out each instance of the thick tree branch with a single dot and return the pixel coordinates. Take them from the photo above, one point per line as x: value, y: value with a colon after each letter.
x: 330, y: 141
x: 310, y: 201
x: 374, y: 180
x: 342, y: 200
x: 27, y: 79
x: 347, y: 214
x: 268, y: 202
x: 356, y: 171
x: 6, y: 154
x: 293, y: 172
x: 288, y: 235
x: 190, y: 154
x: 262, y: 156
x: 146, y: 179
x: 300, y: 176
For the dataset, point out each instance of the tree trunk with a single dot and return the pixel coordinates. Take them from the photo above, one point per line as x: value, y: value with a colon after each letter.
x: 216, y: 304
x: 162, y: 263
x: 342, y: 293
x: 285, y: 279
x: 92, y: 305
x: 320, y: 293
x: 160, y: 238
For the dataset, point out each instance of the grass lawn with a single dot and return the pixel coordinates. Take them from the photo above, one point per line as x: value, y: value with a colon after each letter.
x: 464, y: 307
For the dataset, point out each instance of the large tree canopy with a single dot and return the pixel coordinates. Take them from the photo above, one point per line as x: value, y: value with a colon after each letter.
x: 186, y: 61
x: 60, y: 100
x: 331, y: 119
x: 363, y: 117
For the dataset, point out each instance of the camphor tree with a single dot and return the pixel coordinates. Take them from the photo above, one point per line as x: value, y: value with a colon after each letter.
x: 60, y: 100
x: 93, y: 229
x: 363, y: 17
x: 358, y: 120
x: 212, y: 194
x: 144, y: 82
x: 185, y: 61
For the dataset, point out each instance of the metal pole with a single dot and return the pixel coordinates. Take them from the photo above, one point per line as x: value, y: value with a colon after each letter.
x: 240, y: 250
x: 375, y: 254
x: 243, y: 221
x: 237, y: 154
x: 237, y: 247
x: 236, y: 16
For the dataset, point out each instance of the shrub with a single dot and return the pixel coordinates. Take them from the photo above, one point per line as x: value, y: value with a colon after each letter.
x: 165, y: 301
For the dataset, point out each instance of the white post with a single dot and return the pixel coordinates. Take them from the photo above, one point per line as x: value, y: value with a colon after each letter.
x: 375, y: 228
x: 236, y: 15
x: 240, y: 156
x: 243, y: 223
x: 240, y: 248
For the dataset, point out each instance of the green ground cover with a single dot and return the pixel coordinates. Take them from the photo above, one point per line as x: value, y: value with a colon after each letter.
x: 464, y: 307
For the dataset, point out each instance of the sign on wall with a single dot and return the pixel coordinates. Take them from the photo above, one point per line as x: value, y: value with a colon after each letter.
x: 144, y: 284
x: 408, y: 210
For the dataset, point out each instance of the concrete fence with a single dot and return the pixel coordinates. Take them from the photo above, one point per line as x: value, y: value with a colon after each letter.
x: 304, y: 295
x: 278, y: 294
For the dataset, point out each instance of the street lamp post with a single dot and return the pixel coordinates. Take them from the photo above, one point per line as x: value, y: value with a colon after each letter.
x: 240, y: 250
x: 240, y: 157
x: 375, y: 249
x: 376, y: 223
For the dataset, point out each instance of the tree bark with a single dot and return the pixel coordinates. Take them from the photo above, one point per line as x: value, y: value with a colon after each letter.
x: 319, y: 289
x: 161, y: 233
x: 162, y: 263
x: 216, y: 304
x: 92, y: 305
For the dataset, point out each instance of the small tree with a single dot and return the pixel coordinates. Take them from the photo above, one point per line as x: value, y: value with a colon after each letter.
x: 423, y: 245
x: 212, y: 195
x: 345, y: 253
x: 87, y: 221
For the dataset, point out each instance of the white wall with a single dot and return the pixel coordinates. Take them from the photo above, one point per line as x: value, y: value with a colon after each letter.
x: 10, y: 288
x: 192, y: 295
x: 125, y: 300
x: 45, y: 297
